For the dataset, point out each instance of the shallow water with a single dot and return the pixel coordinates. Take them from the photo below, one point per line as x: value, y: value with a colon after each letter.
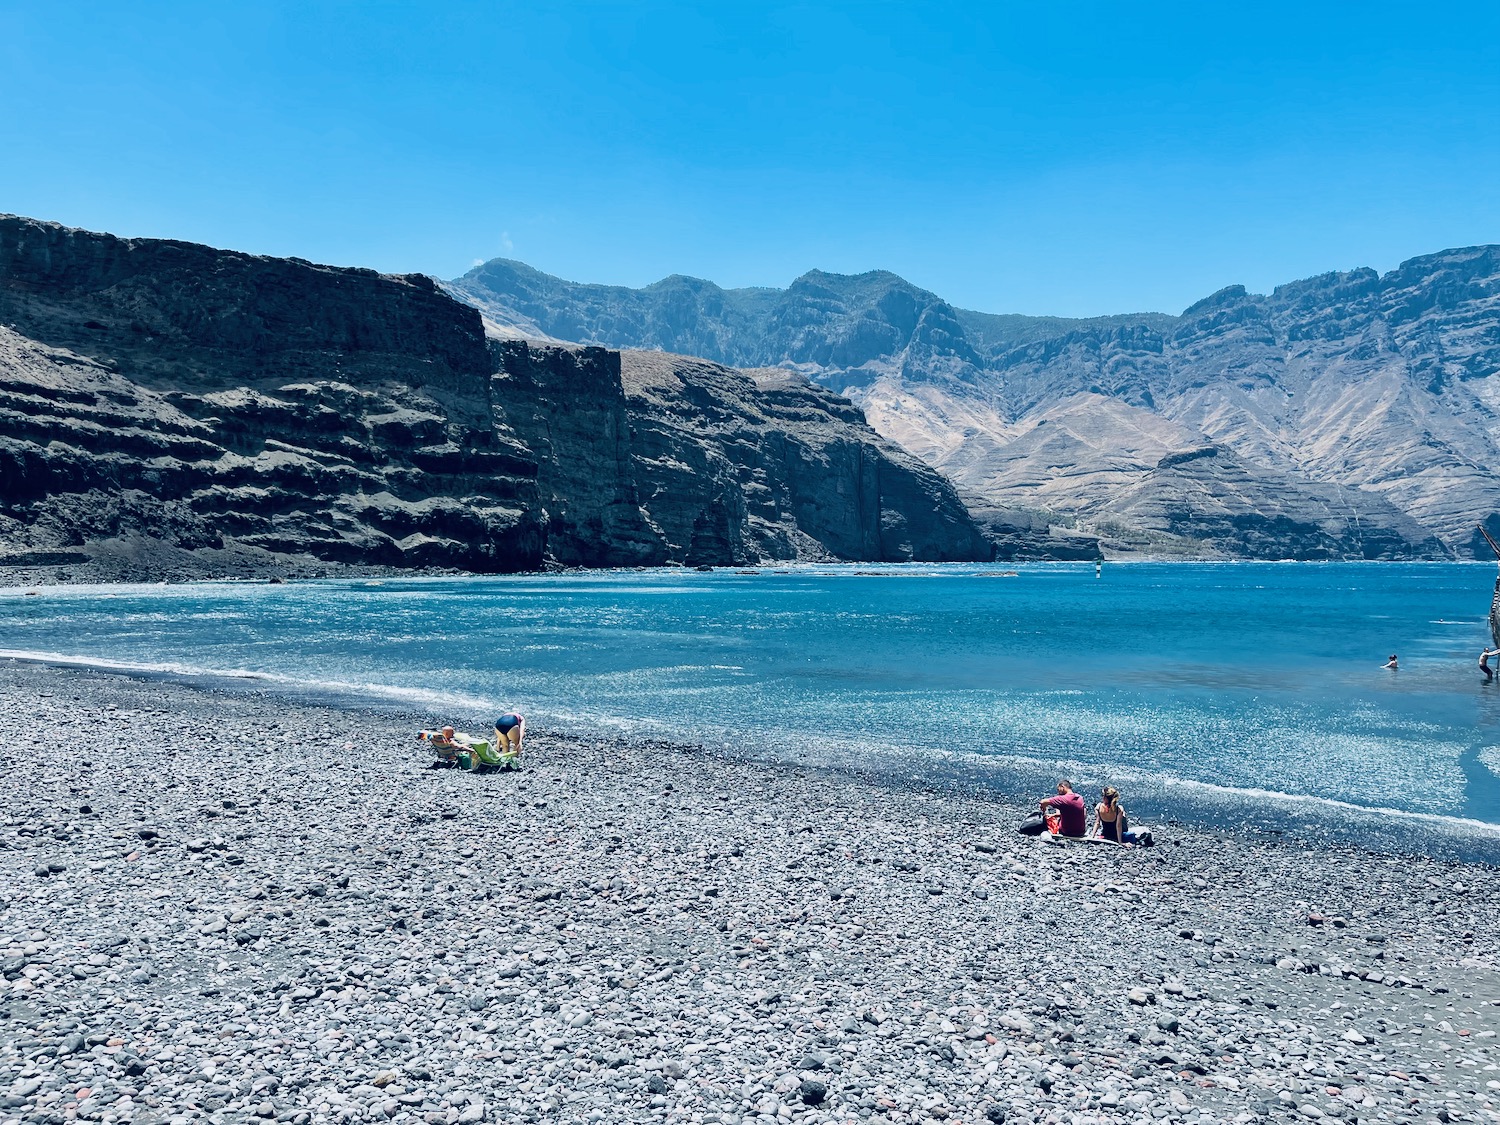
x: 1252, y: 690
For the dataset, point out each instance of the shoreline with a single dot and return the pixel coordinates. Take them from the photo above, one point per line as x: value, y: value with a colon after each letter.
x: 1325, y: 823
x: 109, y: 570
x: 223, y: 905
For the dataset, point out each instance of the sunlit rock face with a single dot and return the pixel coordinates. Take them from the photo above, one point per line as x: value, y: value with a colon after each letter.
x: 1355, y: 413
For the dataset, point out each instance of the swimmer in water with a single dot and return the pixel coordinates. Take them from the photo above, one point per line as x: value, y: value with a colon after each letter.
x: 1391, y: 663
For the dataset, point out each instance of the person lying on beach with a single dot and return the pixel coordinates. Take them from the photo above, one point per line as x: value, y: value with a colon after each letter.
x: 1070, y: 809
x: 1109, y: 817
x: 1484, y: 663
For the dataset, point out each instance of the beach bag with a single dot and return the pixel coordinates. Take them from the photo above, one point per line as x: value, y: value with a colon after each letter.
x: 1034, y: 824
x: 1129, y: 836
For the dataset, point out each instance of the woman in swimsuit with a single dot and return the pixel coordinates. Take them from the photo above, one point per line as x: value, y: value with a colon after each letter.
x: 1109, y: 815
x: 510, y: 732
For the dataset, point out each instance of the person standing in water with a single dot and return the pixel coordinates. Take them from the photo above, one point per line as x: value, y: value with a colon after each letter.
x: 1484, y: 663
x: 1391, y: 663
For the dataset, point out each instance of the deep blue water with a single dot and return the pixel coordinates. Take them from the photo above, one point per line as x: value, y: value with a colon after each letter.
x: 1252, y: 689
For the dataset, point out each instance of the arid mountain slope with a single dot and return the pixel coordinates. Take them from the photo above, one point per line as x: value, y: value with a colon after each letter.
x: 1357, y: 382
x: 168, y: 408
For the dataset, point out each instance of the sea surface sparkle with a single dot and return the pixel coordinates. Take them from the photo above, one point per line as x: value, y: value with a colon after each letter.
x: 1238, y: 687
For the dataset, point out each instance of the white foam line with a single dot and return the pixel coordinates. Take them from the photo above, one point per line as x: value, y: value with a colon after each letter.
x: 103, y: 664
x: 836, y: 751
x: 1438, y: 819
x: 385, y: 691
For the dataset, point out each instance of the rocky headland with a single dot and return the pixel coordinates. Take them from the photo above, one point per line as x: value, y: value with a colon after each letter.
x: 711, y: 465
x: 1351, y: 414
x: 237, y: 907
x: 172, y: 410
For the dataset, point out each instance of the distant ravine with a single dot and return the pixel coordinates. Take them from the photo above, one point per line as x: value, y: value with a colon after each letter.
x: 1351, y: 415
x: 169, y: 410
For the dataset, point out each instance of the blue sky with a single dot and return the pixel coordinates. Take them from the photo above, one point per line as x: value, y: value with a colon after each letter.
x: 1044, y: 157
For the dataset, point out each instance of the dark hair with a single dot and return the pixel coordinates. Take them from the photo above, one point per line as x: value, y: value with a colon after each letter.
x: 1066, y: 782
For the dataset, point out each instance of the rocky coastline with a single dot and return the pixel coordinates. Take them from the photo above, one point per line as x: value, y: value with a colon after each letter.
x: 230, y: 906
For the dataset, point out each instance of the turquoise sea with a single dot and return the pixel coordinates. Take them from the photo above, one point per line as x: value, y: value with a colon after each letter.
x: 1233, y: 693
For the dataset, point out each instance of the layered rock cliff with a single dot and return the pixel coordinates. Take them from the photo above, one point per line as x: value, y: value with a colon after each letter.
x: 768, y: 465
x: 160, y: 392
x: 674, y: 459
x: 1359, y: 410
x: 168, y: 408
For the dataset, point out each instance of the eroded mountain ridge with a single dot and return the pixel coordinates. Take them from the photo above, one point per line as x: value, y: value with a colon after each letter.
x: 1347, y: 415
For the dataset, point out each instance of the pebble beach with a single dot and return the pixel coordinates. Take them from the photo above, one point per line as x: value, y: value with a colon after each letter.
x: 226, y: 906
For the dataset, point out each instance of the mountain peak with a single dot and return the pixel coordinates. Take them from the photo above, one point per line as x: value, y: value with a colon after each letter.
x: 1408, y: 356
x: 1229, y: 295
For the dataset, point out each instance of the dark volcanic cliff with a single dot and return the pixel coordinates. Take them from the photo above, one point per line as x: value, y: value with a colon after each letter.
x: 669, y: 458
x: 776, y: 467
x: 172, y: 408
x: 163, y: 392
x: 570, y: 405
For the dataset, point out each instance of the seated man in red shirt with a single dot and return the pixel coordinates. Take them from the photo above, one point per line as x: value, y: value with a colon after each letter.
x: 1070, y: 808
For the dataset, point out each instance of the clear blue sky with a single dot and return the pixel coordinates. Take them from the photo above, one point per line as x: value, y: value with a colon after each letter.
x: 1039, y: 157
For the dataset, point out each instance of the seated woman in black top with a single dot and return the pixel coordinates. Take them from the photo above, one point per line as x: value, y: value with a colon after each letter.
x: 1109, y: 816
